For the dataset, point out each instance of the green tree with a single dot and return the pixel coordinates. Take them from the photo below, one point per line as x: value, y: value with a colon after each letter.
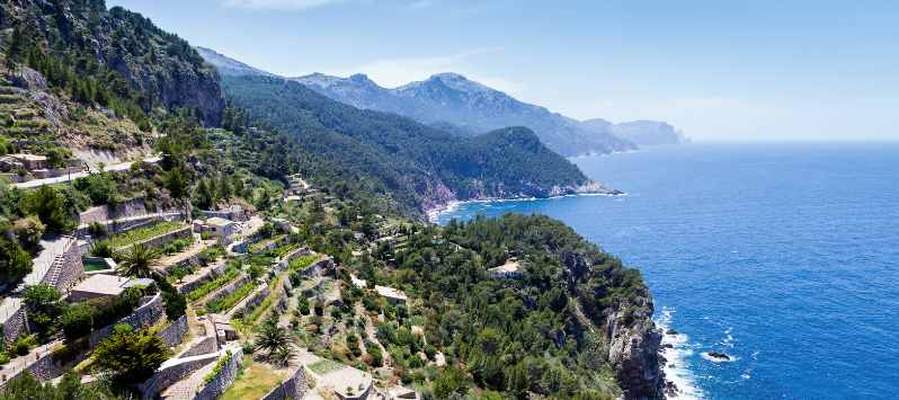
x: 176, y: 182
x: 203, y: 196
x: 44, y: 306
x: 130, y: 357
x: 28, y: 231
x: 50, y: 206
x: 15, y: 262
x: 450, y: 381
x: 139, y: 261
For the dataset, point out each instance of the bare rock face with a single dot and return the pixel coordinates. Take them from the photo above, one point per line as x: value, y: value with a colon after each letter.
x: 29, y: 79
x: 634, y: 344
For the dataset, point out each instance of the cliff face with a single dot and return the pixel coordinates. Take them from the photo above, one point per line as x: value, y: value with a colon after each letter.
x: 634, y: 344
x: 161, y: 67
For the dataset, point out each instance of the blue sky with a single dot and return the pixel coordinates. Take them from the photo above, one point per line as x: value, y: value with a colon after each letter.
x: 720, y: 70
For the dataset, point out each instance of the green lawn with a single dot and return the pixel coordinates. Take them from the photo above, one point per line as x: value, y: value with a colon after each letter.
x: 255, y: 381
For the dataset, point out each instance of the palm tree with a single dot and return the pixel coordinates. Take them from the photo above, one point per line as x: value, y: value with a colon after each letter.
x: 274, y: 339
x: 139, y: 261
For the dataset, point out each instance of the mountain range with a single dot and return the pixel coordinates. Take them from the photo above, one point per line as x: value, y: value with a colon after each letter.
x: 458, y: 105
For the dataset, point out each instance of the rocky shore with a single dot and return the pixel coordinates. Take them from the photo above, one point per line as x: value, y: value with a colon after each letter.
x: 591, y: 188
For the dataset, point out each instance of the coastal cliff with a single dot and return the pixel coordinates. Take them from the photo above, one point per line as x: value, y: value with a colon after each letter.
x: 634, y: 351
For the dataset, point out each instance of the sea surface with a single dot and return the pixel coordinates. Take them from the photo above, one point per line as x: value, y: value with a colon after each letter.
x: 783, y: 256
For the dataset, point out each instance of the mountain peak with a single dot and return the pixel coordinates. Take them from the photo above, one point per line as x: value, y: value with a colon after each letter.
x: 451, y: 76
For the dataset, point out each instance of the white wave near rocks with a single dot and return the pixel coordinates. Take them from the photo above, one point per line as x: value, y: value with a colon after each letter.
x: 676, y: 349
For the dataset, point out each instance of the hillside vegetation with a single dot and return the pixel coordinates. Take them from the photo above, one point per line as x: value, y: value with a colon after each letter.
x: 416, y: 164
x: 574, y: 323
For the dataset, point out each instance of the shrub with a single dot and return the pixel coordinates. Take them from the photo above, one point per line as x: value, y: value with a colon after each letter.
x: 23, y: 344
x: 28, y: 231
x: 50, y: 207
x: 101, y: 248
x: 97, y: 230
x: 176, y: 246
x: 303, y: 306
x: 77, y: 321
x: 211, y: 254
x: 100, y: 312
x: 377, y: 358
x: 100, y: 188
x: 15, y: 262
x: 174, y: 302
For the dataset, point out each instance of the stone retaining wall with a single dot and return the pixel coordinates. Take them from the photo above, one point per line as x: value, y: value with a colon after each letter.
x: 204, y: 345
x: 159, y: 241
x: 225, y: 377
x: 67, y: 270
x: 248, y: 304
x: 50, y: 365
x: 146, y: 315
x: 131, y: 208
x: 229, y: 288
x: 14, y: 325
x: 173, y: 371
x: 174, y: 334
x: 128, y: 223
x: 216, y: 270
x: 294, y: 387
x: 319, y: 267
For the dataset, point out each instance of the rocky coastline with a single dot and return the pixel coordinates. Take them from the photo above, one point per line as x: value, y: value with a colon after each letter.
x: 633, y: 340
x: 433, y: 210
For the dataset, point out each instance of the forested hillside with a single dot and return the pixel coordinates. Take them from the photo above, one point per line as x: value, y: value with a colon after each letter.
x: 555, y: 329
x: 418, y: 165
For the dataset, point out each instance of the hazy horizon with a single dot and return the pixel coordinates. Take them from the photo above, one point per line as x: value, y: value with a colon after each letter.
x: 719, y: 72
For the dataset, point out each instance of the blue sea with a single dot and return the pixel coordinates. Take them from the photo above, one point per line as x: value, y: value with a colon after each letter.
x: 784, y: 256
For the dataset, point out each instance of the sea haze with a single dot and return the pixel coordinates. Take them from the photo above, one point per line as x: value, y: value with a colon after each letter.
x: 784, y: 256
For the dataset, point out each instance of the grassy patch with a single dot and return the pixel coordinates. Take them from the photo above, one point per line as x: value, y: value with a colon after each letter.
x: 225, y: 303
x: 255, y: 381
x: 136, y: 235
x: 214, y: 284
x: 325, y: 366
x: 302, y: 262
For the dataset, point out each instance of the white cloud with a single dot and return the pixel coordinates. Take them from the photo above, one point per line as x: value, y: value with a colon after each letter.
x: 291, y: 5
x: 393, y: 72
